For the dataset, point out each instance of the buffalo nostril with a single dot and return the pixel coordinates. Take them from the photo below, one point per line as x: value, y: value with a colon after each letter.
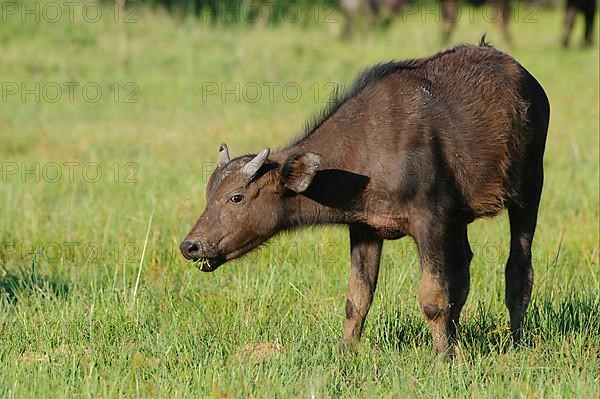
x: 194, y: 248
x: 189, y: 249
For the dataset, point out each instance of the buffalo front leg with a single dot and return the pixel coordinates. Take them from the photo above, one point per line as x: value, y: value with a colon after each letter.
x: 460, y: 282
x: 365, y: 249
x: 445, y: 256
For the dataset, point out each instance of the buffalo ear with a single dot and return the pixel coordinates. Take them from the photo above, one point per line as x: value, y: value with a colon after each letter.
x: 298, y: 171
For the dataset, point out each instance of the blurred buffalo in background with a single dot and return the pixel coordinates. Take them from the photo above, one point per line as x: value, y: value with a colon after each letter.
x: 380, y: 10
x: 450, y: 15
x: 384, y: 10
x: 588, y: 9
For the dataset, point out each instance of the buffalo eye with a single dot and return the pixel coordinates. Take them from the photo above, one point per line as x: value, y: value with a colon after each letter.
x: 236, y: 199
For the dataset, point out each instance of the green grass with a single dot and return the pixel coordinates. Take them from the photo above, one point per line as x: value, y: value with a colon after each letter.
x: 70, y: 324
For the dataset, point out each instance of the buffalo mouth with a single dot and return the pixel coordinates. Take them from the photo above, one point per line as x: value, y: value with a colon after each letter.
x: 208, y: 264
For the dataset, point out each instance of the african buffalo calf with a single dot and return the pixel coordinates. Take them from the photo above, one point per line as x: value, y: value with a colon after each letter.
x: 419, y: 148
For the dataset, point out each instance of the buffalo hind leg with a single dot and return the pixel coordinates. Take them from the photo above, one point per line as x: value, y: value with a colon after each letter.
x: 568, y: 25
x: 445, y: 256
x: 519, y: 271
x: 589, y: 25
x: 365, y: 249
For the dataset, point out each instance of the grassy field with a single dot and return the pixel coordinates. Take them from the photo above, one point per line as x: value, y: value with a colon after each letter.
x: 98, y: 189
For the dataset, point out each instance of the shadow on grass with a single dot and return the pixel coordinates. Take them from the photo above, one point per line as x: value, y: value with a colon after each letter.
x: 548, y: 319
x: 15, y: 283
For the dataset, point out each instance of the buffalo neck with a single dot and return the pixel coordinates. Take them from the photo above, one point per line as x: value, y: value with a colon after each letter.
x: 335, y: 192
x: 301, y: 210
x: 328, y: 143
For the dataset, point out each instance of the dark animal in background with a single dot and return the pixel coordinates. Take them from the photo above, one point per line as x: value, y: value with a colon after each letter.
x: 419, y: 148
x: 588, y: 9
x: 380, y: 10
x: 450, y: 15
x: 386, y: 10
